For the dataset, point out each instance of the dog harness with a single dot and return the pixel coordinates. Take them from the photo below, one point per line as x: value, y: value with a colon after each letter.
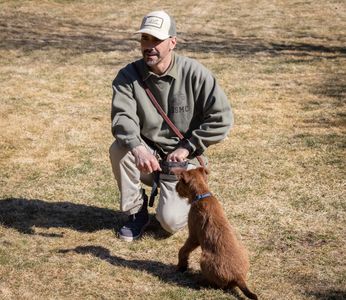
x: 202, y: 196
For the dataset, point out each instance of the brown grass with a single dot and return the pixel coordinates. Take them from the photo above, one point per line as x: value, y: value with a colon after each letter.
x: 280, y: 174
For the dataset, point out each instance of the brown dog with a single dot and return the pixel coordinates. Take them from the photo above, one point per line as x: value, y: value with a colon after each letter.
x: 224, y: 261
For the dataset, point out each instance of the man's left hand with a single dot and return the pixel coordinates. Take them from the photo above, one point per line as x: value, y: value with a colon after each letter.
x: 179, y: 154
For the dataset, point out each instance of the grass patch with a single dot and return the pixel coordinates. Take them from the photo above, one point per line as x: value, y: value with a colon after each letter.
x: 280, y: 174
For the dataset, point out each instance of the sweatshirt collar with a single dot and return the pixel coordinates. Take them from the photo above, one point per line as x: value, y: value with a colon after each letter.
x: 172, y: 70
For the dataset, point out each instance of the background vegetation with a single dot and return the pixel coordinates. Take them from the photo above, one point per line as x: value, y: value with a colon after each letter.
x: 280, y: 174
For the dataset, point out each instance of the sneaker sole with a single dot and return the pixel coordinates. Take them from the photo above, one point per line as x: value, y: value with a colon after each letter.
x: 132, y: 238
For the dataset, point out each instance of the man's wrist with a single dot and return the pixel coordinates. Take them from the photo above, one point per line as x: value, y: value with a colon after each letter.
x: 186, y: 144
x: 137, y: 149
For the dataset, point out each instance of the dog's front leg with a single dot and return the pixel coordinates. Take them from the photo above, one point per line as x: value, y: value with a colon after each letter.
x: 184, y: 253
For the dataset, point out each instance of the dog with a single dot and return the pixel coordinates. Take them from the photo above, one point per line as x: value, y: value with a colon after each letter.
x: 224, y: 261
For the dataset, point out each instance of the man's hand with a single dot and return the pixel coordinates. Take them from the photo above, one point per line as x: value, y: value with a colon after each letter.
x: 179, y: 154
x: 145, y: 161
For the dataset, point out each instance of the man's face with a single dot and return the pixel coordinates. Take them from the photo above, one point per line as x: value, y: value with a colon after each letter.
x: 154, y: 50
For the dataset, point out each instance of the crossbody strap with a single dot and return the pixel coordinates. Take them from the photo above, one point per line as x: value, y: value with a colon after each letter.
x: 162, y: 113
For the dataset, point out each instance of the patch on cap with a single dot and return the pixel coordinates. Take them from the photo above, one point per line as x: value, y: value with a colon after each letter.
x: 153, y: 21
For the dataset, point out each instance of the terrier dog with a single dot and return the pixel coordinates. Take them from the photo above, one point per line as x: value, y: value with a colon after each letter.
x: 224, y: 261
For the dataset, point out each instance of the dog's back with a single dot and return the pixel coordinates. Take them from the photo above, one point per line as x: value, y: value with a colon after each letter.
x: 224, y: 260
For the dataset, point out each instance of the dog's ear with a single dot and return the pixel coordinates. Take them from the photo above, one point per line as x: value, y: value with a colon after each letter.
x: 182, y: 174
x: 185, y: 176
x: 204, y: 171
x: 177, y: 171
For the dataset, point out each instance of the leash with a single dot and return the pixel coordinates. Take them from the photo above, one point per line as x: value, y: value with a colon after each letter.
x: 154, y: 189
x: 162, y: 113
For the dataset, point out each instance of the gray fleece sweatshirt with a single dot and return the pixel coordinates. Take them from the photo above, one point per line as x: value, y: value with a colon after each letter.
x: 187, y: 92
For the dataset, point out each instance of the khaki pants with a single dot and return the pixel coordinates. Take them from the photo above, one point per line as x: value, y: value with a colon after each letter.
x: 171, y: 211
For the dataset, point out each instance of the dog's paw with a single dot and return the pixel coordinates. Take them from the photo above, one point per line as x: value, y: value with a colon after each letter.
x: 181, y: 269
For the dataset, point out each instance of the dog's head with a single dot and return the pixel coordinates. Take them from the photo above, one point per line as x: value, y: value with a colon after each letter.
x: 191, y: 182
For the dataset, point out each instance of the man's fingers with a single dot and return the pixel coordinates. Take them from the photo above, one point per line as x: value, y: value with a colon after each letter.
x: 149, y: 169
x: 149, y: 166
x: 178, y: 155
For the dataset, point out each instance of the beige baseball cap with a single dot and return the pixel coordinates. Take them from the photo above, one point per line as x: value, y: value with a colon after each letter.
x: 158, y: 24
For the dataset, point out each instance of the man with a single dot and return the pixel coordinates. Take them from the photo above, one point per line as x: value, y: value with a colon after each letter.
x: 194, y: 102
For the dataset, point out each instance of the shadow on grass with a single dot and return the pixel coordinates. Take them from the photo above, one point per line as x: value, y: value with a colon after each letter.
x: 165, y: 272
x: 161, y: 270
x: 334, y: 87
x: 24, y: 214
x: 242, y: 46
x: 30, y: 32
x: 328, y: 288
x: 329, y: 295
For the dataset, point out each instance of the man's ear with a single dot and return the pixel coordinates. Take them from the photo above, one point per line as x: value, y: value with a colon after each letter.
x: 172, y: 43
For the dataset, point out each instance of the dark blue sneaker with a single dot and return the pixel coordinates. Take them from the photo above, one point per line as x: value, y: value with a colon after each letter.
x: 135, y: 226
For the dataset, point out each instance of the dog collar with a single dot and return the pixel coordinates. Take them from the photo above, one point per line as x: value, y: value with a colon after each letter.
x: 202, y: 196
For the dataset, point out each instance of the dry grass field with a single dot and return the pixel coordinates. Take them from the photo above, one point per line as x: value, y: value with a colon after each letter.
x: 280, y: 174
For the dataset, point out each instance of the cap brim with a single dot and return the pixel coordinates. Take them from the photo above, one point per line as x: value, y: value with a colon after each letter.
x: 154, y: 33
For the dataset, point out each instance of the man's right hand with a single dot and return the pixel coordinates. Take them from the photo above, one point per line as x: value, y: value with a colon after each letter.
x: 145, y: 161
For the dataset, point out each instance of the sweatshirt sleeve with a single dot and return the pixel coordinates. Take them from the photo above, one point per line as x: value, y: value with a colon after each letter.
x: 215, y: 113
x: 125, y: 122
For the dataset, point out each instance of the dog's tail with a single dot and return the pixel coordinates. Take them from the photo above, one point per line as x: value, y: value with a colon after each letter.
x: 243, y: 287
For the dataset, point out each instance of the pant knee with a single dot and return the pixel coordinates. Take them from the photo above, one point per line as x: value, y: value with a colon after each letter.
x: 172, y: 224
